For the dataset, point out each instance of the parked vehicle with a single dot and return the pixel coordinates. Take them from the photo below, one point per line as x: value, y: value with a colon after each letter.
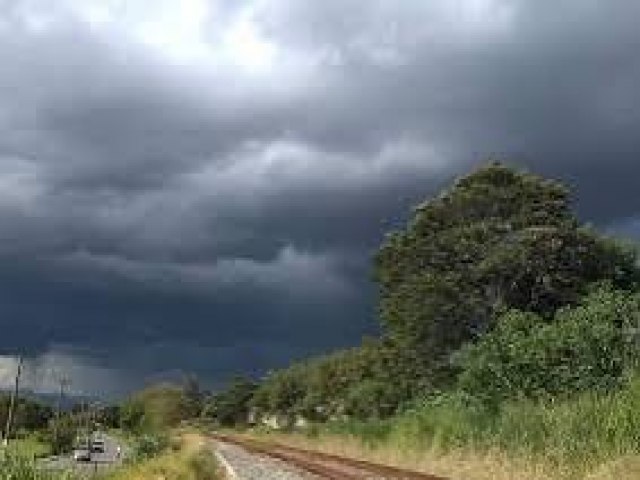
x: 82, y: 455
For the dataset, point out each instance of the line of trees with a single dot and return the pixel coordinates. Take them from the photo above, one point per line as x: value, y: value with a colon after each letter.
x: 494, y: 289
x: 36, y: 418
x: 29, y: 414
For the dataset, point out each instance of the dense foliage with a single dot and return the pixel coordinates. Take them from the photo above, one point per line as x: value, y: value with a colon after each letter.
x: 62, y: 432
x: 589, y: 347
x: 231, y: 406
x: 494, y: 291
x: 28, y: 415
x: 155, y: 408
x: 497, y: 239
x: 17, y: 467
x: 372, y: 380
x: 148, y: 445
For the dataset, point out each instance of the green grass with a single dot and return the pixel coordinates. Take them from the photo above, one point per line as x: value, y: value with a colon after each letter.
x: 18, y: 461
x: 29, y: 447
x: 18, y: 467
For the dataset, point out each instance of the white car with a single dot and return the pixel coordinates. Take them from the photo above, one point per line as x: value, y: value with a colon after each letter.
x: 82, y: 455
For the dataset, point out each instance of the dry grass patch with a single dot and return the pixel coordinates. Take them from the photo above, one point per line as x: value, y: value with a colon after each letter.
x: 625, y: 468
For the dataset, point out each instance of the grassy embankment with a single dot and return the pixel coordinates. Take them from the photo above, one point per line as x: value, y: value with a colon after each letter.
x: 190, y: 458
x: 592, y: 436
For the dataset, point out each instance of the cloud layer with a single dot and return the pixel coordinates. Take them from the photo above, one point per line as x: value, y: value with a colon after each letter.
x: 199, y: 186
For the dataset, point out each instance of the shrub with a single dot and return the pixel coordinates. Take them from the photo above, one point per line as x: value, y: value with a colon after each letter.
x: 154, y: 408
x: 149, y: 445
x: 371, y: 399
x: 588, y: 347
x: 17, y: 467
x: 61, y: 434
x: 230, y: 406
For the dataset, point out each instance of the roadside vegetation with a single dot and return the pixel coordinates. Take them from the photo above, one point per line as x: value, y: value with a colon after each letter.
x: 188, y: 457
x: 39, y: 430
x: 19, y: 467
x: 510, y: 339
x: 160, y: 444
x: 449, y: 435
x: 30, y: 440
x: 31, y: 421
x: 19, y: 461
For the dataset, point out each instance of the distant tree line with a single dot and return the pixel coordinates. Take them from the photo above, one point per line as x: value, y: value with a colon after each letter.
x: 493, y: 289
x: 29, y: 414
x: 34, y: 417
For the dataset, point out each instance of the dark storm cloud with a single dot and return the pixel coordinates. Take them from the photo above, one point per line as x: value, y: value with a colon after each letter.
x: 200, y: 187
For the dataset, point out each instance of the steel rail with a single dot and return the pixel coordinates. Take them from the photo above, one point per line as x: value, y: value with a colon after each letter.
x: 325, y: 465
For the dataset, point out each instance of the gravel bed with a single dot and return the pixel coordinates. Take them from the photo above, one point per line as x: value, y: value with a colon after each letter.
x: 249, y: 466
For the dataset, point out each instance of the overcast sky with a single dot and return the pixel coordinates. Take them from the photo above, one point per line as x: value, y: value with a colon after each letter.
x: 198, y: 186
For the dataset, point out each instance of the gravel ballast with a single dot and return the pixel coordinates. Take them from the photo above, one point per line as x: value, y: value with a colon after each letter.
x: 249, y: 466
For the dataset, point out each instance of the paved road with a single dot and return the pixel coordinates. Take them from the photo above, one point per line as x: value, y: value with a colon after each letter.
x: 99, y: 461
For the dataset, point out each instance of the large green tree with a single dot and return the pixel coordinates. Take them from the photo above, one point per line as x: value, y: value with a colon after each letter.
x: 497, y: 239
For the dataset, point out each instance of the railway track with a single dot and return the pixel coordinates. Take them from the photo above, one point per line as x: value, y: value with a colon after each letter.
x: 323, y: 465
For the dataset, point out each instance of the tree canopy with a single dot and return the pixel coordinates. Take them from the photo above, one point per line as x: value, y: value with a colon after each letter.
x: 497, y: 239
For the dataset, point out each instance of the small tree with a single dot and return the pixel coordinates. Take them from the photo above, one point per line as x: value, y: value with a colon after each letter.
x: 231, y: 406
x: 193, y: 397
x: 154, y: 408
x: 282, y: 392
x: 61, y: 434
x: 131, y: 414
x: 111, y: 416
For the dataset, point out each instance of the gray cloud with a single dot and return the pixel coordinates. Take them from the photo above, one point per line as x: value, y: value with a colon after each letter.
x: 200, y: 187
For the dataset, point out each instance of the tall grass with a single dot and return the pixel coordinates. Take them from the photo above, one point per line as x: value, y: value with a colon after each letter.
x: 19, y: 467
x: 189, y: 459
x: 593, y: 435
x: 583, y: 431
x: 29, y: 447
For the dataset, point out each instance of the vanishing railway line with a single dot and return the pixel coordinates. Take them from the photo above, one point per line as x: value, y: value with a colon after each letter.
x: 323, y: 465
